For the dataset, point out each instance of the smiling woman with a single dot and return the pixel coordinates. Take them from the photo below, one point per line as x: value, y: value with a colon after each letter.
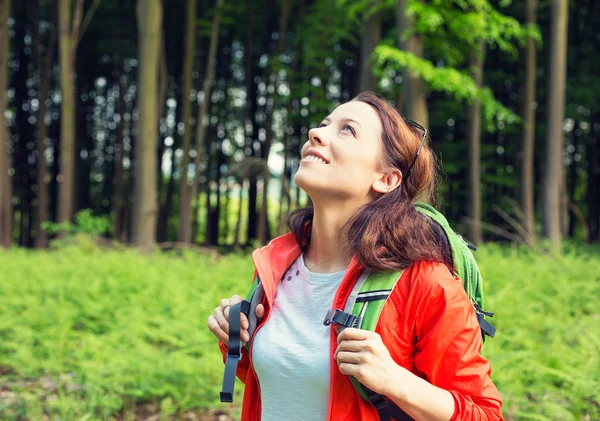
x: 423, y: 356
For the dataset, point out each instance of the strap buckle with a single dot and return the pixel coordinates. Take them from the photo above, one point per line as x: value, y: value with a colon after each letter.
x: 339, y: 317
x: 379, y: 402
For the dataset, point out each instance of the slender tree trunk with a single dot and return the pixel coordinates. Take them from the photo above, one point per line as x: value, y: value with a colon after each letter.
x: 202, y: 113
x: 414, y: 94
x: 553, y: 174
x: 44, y: 64
x: 149, y: 17
x: 474, y: 142
x: 528, y: 136
x: 6, y: 192
x: 249, y: 117
x: 118, y: 183
x: 184, y: 235
x: 67, y: 114
x: 573, y: 181
x: 371, y: 35
x: 160, y: 106
x: 238, y: 224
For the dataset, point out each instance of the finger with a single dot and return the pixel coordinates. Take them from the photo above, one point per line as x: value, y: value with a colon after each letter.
x: 348, y: 369
x: 260, y: 311
x: 349, y: 357
x: 221, y: 320
x: 224, y: 303
x: 215, y: 328
x: 353, y: 334
x: 350, y: 346
x: 235, y: 299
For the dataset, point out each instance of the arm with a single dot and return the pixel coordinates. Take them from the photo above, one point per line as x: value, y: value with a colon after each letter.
x: 449, y: 351
x: 456, y: 385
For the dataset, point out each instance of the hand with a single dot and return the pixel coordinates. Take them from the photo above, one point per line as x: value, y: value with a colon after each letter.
x: 362, y: 354
x: 218, y: 322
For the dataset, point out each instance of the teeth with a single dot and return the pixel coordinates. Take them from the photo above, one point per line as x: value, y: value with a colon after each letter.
x: 314, y: 158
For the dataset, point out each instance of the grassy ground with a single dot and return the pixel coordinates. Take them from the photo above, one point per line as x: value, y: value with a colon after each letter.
x: 87, y: 334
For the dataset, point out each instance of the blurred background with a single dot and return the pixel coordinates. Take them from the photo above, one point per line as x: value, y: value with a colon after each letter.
x: 148, y: 146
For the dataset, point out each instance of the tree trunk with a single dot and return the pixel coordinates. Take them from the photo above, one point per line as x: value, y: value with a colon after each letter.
x: 202, y: 113
x: 553, y: 174
x: 413, y: 90
x: 238, y: 223
x: 474, y: 144
x: 149, y: 17
x: 184, y: 234
x: 528, y: 136
x: 67, y: 114
x: 44, y: 64
x: 119, y: 198
x: 249, y: 117
x: 573, y: 181
x: 371, y: 35
x: 6, y: 192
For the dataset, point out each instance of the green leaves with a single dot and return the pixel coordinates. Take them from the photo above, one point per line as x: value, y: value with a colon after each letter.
x: 453, y: 82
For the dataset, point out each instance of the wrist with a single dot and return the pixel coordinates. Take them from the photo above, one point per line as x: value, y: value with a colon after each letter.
x: 398, y: 383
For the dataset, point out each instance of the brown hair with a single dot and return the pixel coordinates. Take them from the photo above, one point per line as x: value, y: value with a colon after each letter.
x: 388, y: 233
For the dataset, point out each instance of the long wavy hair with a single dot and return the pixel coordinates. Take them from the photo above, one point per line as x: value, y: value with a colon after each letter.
x: 388, y: 233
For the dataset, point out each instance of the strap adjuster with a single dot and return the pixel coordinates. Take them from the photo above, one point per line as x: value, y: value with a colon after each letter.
x: 379, y: 402
x: 340, y: 317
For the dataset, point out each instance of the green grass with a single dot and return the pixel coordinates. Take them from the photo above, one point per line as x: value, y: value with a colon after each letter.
x: 87, y: 334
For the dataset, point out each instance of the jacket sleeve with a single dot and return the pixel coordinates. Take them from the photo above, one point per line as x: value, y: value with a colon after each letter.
x: 243, y: 364
x: 449, y: 347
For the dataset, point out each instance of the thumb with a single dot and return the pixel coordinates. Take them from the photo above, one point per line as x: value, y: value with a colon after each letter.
x: 260, y: 311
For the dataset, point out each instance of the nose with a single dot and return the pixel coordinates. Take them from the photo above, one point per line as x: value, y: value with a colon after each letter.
x: 315, y: 136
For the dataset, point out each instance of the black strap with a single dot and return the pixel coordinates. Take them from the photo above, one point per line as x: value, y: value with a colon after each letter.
x: 387, y: 410
x: 234, y: 349
x: 340, y: 317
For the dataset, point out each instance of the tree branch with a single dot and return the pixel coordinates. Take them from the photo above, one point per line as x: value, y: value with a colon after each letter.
x: 88, y: 18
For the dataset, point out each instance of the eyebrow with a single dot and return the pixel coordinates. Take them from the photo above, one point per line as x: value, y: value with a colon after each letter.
x: 343, y: 120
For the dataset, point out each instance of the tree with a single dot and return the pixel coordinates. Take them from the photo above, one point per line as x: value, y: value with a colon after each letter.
x: 554, y: 172
x: 474, y: 146
x: 149, y: 18
x: 200, y: 122
x: 370, y: 38
x: 6, y: 193
x: 528, y: 136
x: 184, y: 191
x: 71, y: 31
x: 43, y: 59
x: 413, y: 87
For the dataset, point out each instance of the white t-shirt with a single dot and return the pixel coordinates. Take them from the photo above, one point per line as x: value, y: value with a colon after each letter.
x: 290, y: 353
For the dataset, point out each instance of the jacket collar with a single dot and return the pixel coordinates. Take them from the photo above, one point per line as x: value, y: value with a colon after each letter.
x: 272, y: 260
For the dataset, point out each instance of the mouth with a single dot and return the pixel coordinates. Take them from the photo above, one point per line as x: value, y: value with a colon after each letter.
x: 313, y: 156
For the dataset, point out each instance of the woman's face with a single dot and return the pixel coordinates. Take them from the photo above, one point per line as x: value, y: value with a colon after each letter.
x: 349, y: 143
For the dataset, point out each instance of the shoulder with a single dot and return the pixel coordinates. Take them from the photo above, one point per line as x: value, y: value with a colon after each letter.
x: 426, y: 278
x: 427, y: 289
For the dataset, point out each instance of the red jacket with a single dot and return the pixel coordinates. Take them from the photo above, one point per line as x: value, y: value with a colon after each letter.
x: 428, y: 324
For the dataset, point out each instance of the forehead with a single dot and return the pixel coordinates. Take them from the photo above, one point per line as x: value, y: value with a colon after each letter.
x: 361, y: 112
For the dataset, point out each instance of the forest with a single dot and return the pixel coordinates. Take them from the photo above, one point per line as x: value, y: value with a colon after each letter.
x: 102, y: 95
x: 148, y: 146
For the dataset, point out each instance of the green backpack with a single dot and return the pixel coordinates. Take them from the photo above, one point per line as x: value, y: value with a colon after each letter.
x: 363, y: 309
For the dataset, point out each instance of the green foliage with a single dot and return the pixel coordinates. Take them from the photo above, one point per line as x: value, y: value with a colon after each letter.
x: 454, y: 82
x: 85, y: 223
x: 89, y: 335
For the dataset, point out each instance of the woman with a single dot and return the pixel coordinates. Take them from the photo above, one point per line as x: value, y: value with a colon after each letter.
x: 363, y: 167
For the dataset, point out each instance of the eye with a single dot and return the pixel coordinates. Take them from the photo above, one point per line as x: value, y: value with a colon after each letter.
x: 349, y: 128
x: 322, y: 125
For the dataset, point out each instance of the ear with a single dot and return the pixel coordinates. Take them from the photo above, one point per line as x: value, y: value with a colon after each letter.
x: 387, y: 182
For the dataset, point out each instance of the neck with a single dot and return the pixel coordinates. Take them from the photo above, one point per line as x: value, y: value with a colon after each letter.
x: 329, y: 250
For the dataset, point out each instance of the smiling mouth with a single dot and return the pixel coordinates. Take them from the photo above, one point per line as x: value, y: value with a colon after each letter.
x: 313, y: 158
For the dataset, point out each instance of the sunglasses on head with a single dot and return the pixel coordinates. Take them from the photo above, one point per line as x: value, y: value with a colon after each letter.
x: 419, y: 127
